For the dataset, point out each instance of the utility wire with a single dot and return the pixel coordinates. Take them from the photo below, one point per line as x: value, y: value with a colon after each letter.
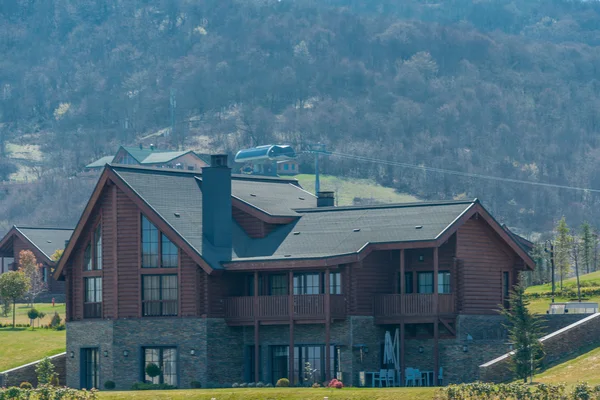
x: 458, y: 173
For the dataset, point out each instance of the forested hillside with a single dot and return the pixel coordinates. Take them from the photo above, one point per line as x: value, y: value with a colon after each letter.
x: 498, y: 87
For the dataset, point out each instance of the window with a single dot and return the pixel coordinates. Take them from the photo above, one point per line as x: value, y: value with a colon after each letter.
x: 335, y: 282
x: 425, y: 282
x: 307, y: 283
x: 168, y: 253
x: 92, y: 306
x: 286, y: 167
x: 293, y: 166
x: 313, y: 354
x: 250, y: 366
x: 149, y: 244
x: 408, y: 283
x: 506, y: 288
x: 90, y: 372
x: 444, y: 282
x: 98, y: 246
x: 190, y: 167
x: 159, y: 295
x: 45, y: 274
x: 278, y: 285
x: 87, y: 258
x: 166, y: 359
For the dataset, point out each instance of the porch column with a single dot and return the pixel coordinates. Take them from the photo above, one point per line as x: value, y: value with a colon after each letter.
x: 435, y: 280
x: 402, y: 278
x: 256, y: 333
x: 402, y: 366
x: 327, y: 325
x: 436, y: 351
x: 291, y: 312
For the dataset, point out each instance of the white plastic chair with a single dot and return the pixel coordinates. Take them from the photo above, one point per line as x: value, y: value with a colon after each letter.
x: 381, y: 377
x: 410, y: 377
x: 391, y: 378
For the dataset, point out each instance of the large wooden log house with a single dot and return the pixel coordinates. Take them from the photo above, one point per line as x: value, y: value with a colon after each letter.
x: 222, y: 279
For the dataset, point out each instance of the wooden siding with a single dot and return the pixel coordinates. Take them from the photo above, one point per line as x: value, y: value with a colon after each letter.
x: 373, y: 275
x: 128, y: 261
x: 189, y: 291
x: 483, y: 257
x: 20, y: 245
x: 254, y: 227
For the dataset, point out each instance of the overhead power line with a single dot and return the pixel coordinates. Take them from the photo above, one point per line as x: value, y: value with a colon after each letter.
x: 459, y: 173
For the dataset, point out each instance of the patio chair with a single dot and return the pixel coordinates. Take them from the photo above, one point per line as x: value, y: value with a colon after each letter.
x: 441, y: 376
x: 382, y: 377
x: 410, y: 378
x: 391, y: 378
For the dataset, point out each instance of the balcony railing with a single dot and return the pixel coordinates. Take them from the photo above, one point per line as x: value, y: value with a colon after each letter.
x: 277, y: 308
x: 404, y: 305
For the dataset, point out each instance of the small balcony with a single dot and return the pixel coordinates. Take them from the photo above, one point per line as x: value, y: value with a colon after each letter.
x: 276, y: 309
x: 390, y: 308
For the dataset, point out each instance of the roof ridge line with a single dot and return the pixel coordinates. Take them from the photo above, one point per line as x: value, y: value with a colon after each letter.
x: 389, y: 205
x: 44, y: 227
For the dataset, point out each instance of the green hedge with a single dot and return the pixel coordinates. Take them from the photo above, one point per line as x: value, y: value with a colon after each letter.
x: 47, y: 392
x: 518, y: 391
x: 567, y: 293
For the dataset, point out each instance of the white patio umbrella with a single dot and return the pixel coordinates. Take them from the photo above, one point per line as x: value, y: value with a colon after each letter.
x: 391, y: 350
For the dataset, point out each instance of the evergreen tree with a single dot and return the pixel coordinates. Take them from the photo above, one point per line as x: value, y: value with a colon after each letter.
x: 524, y: 329
x: 587, y: 247
x: 562, y: 250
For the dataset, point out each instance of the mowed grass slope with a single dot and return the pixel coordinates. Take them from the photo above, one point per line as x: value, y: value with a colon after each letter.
x: 582, y: 368
x: 279, y: 394
x: 46, y: 308
x: 23, y: 345
x: 347, y: 189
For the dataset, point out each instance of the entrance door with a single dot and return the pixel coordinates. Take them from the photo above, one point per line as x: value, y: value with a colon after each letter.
x: 89, y: 370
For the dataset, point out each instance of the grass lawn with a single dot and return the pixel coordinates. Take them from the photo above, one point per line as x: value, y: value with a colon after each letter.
x: 22, y: 345
x: 347, y: 189
x: 540, y: 306
x: 279, y: 394
x: 582, y: 368
x: 22, y: 310
x: 593, y: 279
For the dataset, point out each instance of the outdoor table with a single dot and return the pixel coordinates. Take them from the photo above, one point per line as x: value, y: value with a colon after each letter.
x: 427, y: 375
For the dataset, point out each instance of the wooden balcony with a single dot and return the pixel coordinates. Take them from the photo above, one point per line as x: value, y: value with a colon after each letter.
x: 390, y: 308
x: 276, y: 309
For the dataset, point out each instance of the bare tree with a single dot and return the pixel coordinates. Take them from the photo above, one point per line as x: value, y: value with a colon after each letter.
x: 576, y: 250
x: 34, y: 274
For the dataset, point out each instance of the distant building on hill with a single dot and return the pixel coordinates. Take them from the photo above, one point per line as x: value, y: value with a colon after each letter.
x: 152, y: 157
x: 288, y: 167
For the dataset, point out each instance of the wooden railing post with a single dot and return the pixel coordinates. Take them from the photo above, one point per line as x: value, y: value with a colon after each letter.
x: 402, y: 277
x: 435, y: 279
x: 327, y: 325
x: 256, y: 327
x: 291, y: 311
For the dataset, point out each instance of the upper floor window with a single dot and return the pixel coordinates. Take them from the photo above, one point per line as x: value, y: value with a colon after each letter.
x: 425, y: 282
x: 152, y: 241
x: 335, y: 281
x: 159, y: 295
x: 278, y: 285
x: 92, y: 306
x: 92, y: 255
x: 444, y: 282
x: 98, y: 246
x: 307, y: 283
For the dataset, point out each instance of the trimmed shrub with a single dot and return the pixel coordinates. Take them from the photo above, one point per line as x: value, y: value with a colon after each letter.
x: 269, y: 384
x: 334, y: 383
x: 195, y: 385
x: 45, y: 371
x: 251, y: 384
x: 260, y: 385
x: 283, y: 382
x: 48, y: 392
x: 26, y: 385
x: 235, y: 385
x: 243, y: 385
x: 152, y: 386
x: 152, y: 370
x: 316, y: 385
x: 109, y: 385
x: 55, y: 321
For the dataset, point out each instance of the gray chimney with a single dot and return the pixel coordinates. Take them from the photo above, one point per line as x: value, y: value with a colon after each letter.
x: 216, y: 204
x: 325, y: 199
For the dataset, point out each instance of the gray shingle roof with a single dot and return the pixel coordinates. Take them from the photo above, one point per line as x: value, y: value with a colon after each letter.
x: 101, y: 162
x: 317, y: 232
x: 47, y: 240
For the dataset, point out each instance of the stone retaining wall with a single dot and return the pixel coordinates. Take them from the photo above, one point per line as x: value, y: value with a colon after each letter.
x: 26, y: 373
x: 557, y: 345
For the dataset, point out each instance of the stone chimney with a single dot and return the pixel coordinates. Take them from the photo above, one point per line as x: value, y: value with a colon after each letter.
x: 325, y: 199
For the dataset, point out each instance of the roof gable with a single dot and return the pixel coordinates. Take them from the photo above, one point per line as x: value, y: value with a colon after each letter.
x: 43, y: 241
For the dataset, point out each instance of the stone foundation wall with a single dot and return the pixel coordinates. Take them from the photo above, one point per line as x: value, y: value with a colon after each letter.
x: 558, y: 346
x: 26, y: 373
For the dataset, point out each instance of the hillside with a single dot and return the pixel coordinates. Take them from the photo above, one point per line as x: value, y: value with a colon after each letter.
x: 589, y: 281
x: 581, y: 368
x: 498, y: 87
